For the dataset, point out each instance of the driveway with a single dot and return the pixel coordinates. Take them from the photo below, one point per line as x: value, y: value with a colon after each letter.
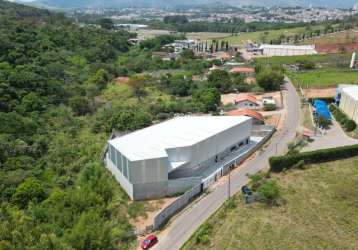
x: 334, y: 137
x: 183, y: 226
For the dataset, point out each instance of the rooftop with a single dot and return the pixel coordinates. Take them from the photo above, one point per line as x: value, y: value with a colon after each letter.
x: 272, y: 46
x: 245, y: 97
x: 152, y: 142
x: 242, y: 70
x: 246, y: 112
x: 352, y: 91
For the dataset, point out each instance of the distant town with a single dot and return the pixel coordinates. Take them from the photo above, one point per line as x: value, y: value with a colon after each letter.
x: 226, y: 13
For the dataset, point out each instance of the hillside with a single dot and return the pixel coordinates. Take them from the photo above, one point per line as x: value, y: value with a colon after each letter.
x: 59, y: 103
x: 317, y: 211
x: 54, y: 192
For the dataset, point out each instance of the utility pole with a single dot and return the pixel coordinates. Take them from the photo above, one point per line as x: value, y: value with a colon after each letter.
x: 229, y: 183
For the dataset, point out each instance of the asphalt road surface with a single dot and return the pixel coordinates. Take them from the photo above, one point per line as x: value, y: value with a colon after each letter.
x: 183, y: 226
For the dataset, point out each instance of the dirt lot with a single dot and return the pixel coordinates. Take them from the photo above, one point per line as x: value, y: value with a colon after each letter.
x: 152, y: 209
x: 229, y: 98
x: 336, y: 48
x: 320, y: 93
x: 146, y: 34
x: 207, y: 35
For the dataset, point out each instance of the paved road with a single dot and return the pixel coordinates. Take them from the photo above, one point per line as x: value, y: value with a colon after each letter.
x: 334, y: 137
x: 187, y: 222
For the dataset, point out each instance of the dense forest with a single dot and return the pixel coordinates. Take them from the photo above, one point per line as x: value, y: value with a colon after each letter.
x: 58, y: 106
x: 54, y: 191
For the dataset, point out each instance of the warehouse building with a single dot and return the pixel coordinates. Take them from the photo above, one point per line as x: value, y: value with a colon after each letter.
x: 349, y: 102
x: 166, y: 158
x: 287, y: 50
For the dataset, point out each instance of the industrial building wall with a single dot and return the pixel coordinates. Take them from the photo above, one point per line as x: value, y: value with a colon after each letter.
x: 146, y: 191
x: 179, y: 154
x: 181, y: 185
x: 149, y: 171
x: 125, y: 184
x: 204, y: 154
x: 212, y: 146
x: 349, y: 106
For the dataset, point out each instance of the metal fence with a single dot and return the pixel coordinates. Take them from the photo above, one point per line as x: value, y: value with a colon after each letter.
x: 161, y: 219
x: 176, y: 206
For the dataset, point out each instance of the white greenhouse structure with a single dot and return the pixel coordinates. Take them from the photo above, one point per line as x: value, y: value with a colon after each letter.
x: 287, y: 50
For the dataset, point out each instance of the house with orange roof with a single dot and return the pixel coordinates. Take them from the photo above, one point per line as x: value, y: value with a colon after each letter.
x: 246, y: 71
x: 257, y: 118
x: 246, y: 101
x: 121, y: 80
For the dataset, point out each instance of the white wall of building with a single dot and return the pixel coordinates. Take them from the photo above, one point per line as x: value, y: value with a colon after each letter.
x: 349, y: 105
x: 148, y: 178
x: 246, y: 104
x: 287, y: 50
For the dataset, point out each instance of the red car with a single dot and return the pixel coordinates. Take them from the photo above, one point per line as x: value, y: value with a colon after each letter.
x: 148, y: 242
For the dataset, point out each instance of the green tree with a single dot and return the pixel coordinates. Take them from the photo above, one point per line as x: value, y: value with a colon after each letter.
x: 270, y: 79
x: 79, y: 105
x: 207, y: 99
x: 30, y: 190
x: 96, y: 83
x: 106, y: 23
x: 90, y: 232
x: 220, y: 79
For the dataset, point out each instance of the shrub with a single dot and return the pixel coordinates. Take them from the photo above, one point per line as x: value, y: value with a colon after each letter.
x: 256, y: 181
x: 231, y: 204
x: 347, y: 124
x: 279, y: 163
x: 269, y: 107
x: 203, y: 234
x: 350, y: 125
x: 323, y: 122
x: 270, y: 191
x: 299, y: 165
x: 30, y: 190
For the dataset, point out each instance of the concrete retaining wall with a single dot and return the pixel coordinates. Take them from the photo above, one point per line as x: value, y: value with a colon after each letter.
x: 168, y: 212
x: 176, y: 206
x: 178, y: 186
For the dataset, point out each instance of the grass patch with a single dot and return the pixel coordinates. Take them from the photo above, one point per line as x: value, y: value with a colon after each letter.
x: 306, y: 118
x: 323, y: 78
x: 320, y: 212
x: 353, y: 134
x: 341, y: 37
x: 330, y: 70
x: 258, y: 36
x: 266, y: 36
x: 321, y: 61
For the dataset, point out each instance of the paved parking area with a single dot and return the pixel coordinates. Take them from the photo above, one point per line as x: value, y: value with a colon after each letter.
x: 334, y: 137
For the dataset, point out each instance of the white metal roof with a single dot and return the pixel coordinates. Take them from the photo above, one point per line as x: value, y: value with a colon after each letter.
x: 152, y: 142
x: 296, y: 47
x: 352, y: 91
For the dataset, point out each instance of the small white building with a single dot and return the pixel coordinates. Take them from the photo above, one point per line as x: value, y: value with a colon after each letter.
x: 287, y: 50
x: 349, y: 102
x: 180, y: 45
x: 161, y: 160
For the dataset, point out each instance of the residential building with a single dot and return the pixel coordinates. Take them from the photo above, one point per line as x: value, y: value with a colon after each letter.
x: 257, y: 118
x: 246, y: 101
x: 246, y: 71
